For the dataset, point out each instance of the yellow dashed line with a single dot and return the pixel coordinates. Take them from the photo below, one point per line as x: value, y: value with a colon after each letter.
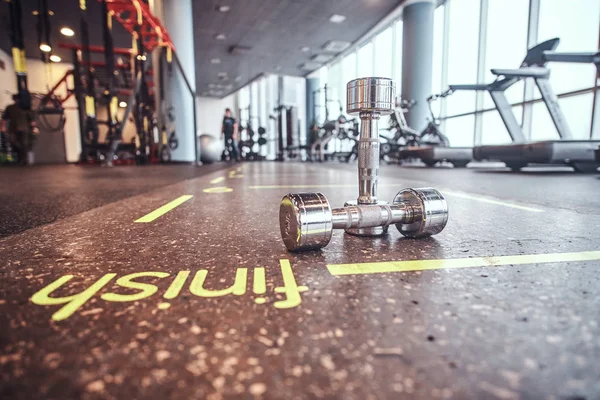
x: 218, y: 189
x: 422, y: 265
x: 299, y: 186
x: 164, y: 209
x: 217, y: 180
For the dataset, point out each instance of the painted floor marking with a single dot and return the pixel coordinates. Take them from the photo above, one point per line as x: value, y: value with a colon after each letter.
x: 164, y: 209
x: 452, y: 193
x: 423, y: 265
x: 299, y: 186
x: 217, y: 180
x: 489, y: 200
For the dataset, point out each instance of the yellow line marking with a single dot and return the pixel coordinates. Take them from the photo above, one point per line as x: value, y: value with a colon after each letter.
x: 298, y: 186
x: 444, y: 191
x: 217, y: 180
x: 489, y: 200
x: 423, y: 265
x: 164, y: 209
x: 218, y: 189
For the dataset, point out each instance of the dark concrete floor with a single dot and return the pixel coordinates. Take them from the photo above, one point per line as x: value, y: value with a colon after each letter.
x: 78, y: 325
x: 38, y: 195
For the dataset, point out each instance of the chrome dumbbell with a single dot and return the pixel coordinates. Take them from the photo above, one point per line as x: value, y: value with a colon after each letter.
x: 369, y: 98
x: 307, y: 220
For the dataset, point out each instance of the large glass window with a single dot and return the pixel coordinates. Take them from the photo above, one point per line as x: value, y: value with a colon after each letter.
x: 348, y: 73
x: 438, y: 54
x: 494, y: 131
x: 506, y: 47
x: 576, y: 24
x: 262, y: 112
x: 460, y: 130
x: 243, y: 102
x: 349, y: 67
x: 254, y: 104
x: 578, y: 113
x: 383, y: 54
x: 463, y: 53
x: 365, y: 60
x: 397, y: 74
x: 333, y: 90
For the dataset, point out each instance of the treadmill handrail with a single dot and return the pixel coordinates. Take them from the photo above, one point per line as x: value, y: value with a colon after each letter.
x: 578, y: 57
x: 527, y: 72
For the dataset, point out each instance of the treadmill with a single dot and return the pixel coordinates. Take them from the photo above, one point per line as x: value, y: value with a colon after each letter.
x: 578, y: 154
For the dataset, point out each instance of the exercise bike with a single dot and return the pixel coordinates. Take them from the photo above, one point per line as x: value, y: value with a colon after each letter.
x: 347, y: 133
x: 404, y: 136
x: 433, y: 146
x: 431, y: 135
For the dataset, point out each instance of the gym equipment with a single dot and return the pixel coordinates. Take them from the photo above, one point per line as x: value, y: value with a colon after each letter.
x: 307, y: 220
x: 227, y: 153
x: 346, y: 138
x: 209, y: 149
x: 326, y: 142
x: 432, y: 146
x: 404, y: 136
x: 575, y: 153
x: 247, y: 145
x: 124, y: 72
x: 288, y: 133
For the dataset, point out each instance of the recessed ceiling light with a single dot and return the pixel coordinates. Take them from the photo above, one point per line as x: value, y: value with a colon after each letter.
x: 337, y: 18
x: 55, y: 58
x: 310, y: 66
x: 336, y: 46
x: 223, y: 8
x: 45, y: 48
x: 220, y: 36
x: 122, y: 104
x: 67, y: 31
x: 215, y: 61
x: 305, y: 49
x: 35, y: 12
x: 322, y: 58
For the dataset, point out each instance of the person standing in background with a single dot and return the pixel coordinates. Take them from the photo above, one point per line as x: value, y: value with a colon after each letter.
x: 19, y: 123
x: 229, y: 130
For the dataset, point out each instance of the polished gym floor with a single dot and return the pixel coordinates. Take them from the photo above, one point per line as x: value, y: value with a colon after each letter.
x: 173, y: 283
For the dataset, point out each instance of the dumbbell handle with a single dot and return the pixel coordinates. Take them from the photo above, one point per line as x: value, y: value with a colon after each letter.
x: 368, y: 158
x: 370, y: 215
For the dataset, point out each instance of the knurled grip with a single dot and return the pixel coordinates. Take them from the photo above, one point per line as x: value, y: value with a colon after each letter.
x: 368, y: 170
x: 369, y: 97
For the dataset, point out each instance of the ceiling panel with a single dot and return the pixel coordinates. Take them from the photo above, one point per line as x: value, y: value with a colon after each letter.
x: 276, y: 30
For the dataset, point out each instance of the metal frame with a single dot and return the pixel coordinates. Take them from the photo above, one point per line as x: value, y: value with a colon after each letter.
x: 532, y: 39
x: 481, y: 67
x: 445, y: 56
